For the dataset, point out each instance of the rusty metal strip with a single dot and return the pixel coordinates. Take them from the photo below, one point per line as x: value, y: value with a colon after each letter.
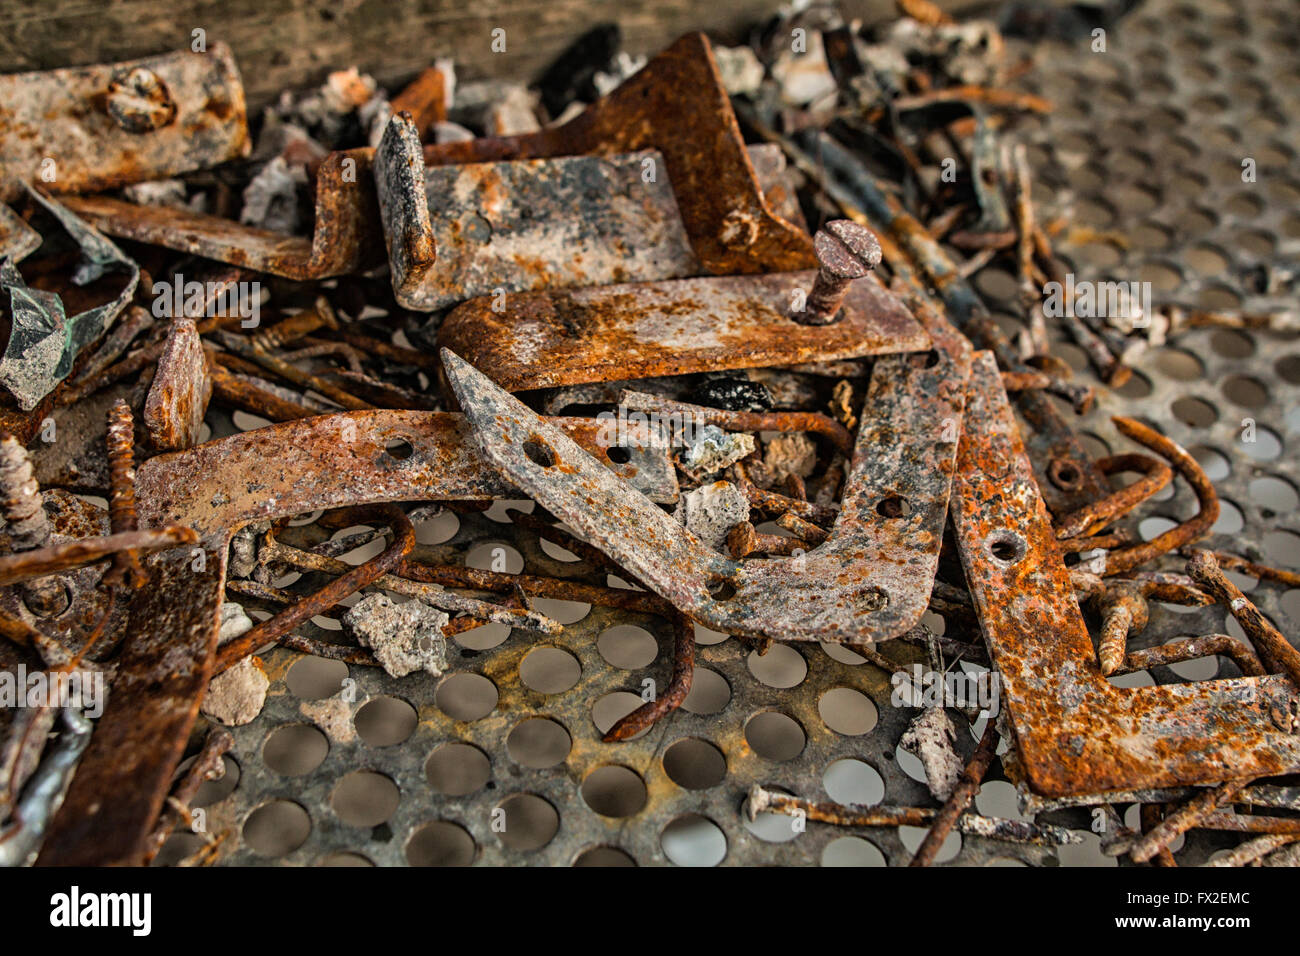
x: 17, y: 239
x: 545, y: 339
x: 1075, y: 732
x: 676, y: 104
x: 346, y: 236
x: 869, y: 581
x: 97, y: 127
x: 456, y: 232
x: 320, y: 463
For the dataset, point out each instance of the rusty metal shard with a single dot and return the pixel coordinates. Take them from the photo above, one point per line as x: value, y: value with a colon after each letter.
x: 17, y: 239
x: 869, y: 581
x: 456, y: 232
x: 1075, y: 732
x: 345, y: 238
x: 333, y: 461
x: 59, y: 128
x: 546, y: 339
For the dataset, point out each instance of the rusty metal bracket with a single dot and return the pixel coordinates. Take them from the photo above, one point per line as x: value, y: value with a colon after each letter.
x: 546, y: 339
x: 676, y: 104
x: 870, y: 580
x: 456, y: 232
x: 335, y: 461
x: 1076, y: 732
x: 345, y: 238
x: 97, y: 127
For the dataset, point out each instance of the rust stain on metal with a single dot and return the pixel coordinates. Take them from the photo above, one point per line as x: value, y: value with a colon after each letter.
x: 178, y: 397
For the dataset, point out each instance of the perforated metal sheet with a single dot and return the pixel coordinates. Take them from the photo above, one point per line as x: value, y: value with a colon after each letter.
x: 1145, y: 147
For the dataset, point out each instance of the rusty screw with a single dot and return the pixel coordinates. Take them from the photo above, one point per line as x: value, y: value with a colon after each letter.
x: 139, y: 101
x: 121, y: 503
x: 845, y: 251
x: 29, y: 528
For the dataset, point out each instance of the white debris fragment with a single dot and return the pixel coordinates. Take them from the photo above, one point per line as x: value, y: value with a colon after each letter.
x: 404, y: 637
x: 710, y: 511
x: 623, y: 66
x: 514, y: 113
x: 713, y: 449
x: 805, y: 77
x: 931, y: 738
x: 158, y: 192
x: 234, y: 622
x: 235, y: 697
x: 741, y: 70
x: 789, y: 453
x: 271, y: 197
x: 447, y: 132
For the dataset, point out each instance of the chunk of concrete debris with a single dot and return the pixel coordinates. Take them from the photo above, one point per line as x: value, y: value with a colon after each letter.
x: 789, y: 453
x: 234, y: 622
x: 931, y: 738
x: 740, y: 68
x: 514, y: 114
x: 710, y: 511
x: 805, y: 77
x: 236, y: 696
x: 713, y: 449
x: 404, y: 637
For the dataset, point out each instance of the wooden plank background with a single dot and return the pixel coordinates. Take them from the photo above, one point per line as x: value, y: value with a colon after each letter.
x: 282, y: 44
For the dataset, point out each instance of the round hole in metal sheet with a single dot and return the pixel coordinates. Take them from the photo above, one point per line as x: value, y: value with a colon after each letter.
x: 466, y: 696
x: 364, y: 798
x: 549, y: 670
x: 295, y: 749
x: 695, y: 764
x: 694, y: 840
x: 441, y: 843
x: 314, y: 678
x: 385, y: 721
x: 912, y: 838
x: 710, y: 693
x: 610, y: 709
x: 399, y: 449
x: 213, y: 791
x: 847, y: 711
x: 627, y: 646
x: 276, y: 828
x: 775, y: 736
x: 782, y: 666
x: 893, y: 506
x: 457, y: 769
x: 530, y: 822
x: 852, y: 851
x: 614, y: 791
x: 1006, y: 546
x: 853, y: 781
x: 538, y: 743
x: 539, y: 453
x: 343, y: 858
x: 604, y: 856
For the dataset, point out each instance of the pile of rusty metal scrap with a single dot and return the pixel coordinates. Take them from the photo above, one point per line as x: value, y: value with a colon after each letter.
x: 615, y: 309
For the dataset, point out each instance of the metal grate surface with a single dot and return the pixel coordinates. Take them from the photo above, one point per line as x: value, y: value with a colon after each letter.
x: 1146, y: 148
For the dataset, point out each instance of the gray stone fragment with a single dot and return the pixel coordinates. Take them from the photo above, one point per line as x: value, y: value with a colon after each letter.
x: 404, y: 637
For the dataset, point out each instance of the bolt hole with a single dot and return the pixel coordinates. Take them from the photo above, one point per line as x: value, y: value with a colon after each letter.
x: 722, y: 590
x: 1065, y: 474
x: 894, y: 507
x: 539, y: 453
x: 399, y: 449
x: 1006, y: 546
x: 619, y: 455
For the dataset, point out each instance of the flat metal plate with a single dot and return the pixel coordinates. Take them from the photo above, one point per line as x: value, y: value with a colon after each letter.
x: 544, y: 339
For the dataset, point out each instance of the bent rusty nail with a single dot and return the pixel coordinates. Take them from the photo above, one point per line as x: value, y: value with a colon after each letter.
x: 679, y: 686
x: 1091, y: 518
x: 1194, y: 528
x: 844, y: 590
x: 76, y: 554
x: 1231, y: 562
x: 1124, y: 612
x: 125, y: 568
x: 372, y: 571
x: 1252, y: 850
x: 742, y: 421
x: 962, y: 795
x: 1192, y: 648
x: 776, y: 503
x: 208, y: 765
x: 1274, y: 649
x: 1074, y: 731
x: 994, y: 828
x: 800, y: 528
x: 1182, y: 819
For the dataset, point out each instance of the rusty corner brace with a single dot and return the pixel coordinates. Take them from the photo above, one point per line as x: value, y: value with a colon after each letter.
x: 676, y: 104
x: 98, y: 127
x: 345, y: 237
x: 332, y: 461
x: 1075, y: 732
x: 869, y: 581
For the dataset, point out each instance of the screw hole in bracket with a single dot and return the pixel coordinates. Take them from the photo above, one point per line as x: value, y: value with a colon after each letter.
x: 539, y: 453
x: 893, y: 506
x: 399, y: 449
x: 1007, y: 547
